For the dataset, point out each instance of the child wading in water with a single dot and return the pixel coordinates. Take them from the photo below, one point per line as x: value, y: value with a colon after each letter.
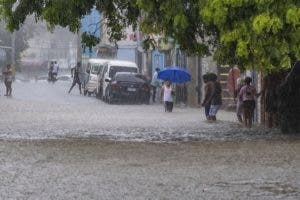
x: 167, y: 94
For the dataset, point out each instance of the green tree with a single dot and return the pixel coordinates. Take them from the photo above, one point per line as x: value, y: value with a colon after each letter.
x: 68, y: 13
x: 261, y: 34
x: 180, y: 20
x: 264, y: 34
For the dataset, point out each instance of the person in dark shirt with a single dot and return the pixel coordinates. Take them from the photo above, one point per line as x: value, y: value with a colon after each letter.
x: 208, y: 93
x: 216, y: 97
x: 76, y: 79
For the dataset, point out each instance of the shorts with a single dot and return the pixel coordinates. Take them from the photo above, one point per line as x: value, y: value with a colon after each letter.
x: 249, y: 105
x: 214, y: 110
x: 169, y: 106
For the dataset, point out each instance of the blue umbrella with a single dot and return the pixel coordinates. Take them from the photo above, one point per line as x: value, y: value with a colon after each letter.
x: 174, y: 74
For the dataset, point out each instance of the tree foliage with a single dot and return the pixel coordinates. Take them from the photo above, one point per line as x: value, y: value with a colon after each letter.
x: 178, y: 19
x: 261, y: 34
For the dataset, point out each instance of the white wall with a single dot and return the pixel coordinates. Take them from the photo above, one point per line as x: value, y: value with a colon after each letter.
x: 128, y: 54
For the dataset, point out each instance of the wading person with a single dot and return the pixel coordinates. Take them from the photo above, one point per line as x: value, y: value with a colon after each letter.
x: 55, y: 71
x: 216, y: 98
x: 50, y: 72
x: 248, y: 95
x: 239, y: 105
x: 167, y: 95
x: 208, y: 94
x: 155, y: 83
x: 8, y: 79
x: 76, y: 79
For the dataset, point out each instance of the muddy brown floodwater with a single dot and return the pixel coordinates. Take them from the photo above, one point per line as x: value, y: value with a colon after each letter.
x: 94, y: 169
x: 60, y: 146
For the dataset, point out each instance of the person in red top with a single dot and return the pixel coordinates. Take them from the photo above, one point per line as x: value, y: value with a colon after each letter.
x: 248, y: 95
x: 233, y: 75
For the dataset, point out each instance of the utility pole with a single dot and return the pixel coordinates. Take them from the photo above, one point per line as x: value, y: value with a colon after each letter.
x: 79, y: 51
x: 13, y: 48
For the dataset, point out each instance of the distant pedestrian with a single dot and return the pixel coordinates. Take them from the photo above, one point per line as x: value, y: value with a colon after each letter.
x: 155, y: 83
x: 76, y: 79
x: 167, y: 95
x: 50, y: 71
x: 239, y: 106
x: 8, y: 79
x: 55, y: 71
x: 248, y: 95
x: 208, y: 89
x: 216, y: 97
x: 233, y: 75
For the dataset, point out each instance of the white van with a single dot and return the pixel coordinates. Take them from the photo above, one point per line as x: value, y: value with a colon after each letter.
x: 94, y: 67
x: 109, y: 71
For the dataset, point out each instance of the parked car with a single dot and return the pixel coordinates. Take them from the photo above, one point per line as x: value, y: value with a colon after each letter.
x: 130, y: 87
x: 109, y: 71
x: 94, y: 67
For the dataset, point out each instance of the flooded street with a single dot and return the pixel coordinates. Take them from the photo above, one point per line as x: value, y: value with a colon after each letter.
x: 45, y: 111
x: 56, y: 145
x: 81, y: 169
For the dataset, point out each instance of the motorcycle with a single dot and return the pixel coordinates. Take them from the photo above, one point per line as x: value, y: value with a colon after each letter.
x: 52, y: 77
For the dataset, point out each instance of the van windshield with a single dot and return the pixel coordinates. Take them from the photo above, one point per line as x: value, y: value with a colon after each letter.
x: 114, y: 69
x: 95, y: 68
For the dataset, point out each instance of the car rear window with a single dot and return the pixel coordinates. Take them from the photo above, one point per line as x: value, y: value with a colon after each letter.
x: 115, y: 69
x: 130, y: 78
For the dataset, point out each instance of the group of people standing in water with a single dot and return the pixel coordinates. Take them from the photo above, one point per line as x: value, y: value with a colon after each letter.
x: 246, y: 95
x: 213, y: 96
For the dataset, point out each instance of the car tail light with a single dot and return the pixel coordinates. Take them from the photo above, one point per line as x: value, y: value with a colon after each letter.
x: 115, y: 86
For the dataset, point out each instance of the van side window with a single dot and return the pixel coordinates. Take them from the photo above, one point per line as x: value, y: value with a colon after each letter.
x: 88, y: 68
x: 104, y: 71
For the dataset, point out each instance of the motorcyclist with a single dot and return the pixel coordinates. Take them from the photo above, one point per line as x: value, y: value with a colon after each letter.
x: 55, y: 71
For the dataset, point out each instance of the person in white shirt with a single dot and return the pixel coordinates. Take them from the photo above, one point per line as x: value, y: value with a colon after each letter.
x: 55, y: 70
x: 167, y: 95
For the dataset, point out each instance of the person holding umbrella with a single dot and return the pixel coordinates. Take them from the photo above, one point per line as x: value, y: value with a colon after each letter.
x: 175, y: 75
x: 167, y: 95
